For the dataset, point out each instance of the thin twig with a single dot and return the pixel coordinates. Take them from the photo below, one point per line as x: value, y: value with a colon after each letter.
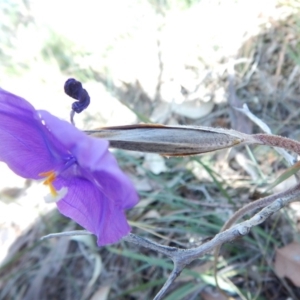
x: 66, y: 233
x: 263, y: 202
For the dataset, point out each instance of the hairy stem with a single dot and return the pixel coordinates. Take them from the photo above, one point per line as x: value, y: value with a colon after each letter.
x: 278, y: 141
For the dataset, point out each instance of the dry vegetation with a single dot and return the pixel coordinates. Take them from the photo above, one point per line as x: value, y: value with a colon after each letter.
x: 183, y: 200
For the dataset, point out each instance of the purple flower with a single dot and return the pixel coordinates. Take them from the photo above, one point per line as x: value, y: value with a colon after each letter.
x: 84, y: 178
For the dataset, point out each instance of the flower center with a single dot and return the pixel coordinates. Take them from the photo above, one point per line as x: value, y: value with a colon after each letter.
x: 56, y: 195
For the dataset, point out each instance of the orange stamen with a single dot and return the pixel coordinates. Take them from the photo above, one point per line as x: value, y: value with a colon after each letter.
x: 50, y: 177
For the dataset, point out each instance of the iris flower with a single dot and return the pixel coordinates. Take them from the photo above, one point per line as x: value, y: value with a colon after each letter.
x: 83, y: 176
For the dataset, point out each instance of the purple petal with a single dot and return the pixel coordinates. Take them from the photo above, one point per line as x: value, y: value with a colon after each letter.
x: 75, y: 140
x: 26, y: 145
x: 114, y: 183
x: 92, y: 155
x: 86, y: 205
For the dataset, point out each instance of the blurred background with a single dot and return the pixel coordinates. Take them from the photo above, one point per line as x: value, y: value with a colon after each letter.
x: 162, y: 61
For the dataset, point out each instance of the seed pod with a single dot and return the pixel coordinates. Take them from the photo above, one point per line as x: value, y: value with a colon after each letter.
x: 171, y: 140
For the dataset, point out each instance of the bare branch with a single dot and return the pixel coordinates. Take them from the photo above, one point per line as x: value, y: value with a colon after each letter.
x: 183, y: 257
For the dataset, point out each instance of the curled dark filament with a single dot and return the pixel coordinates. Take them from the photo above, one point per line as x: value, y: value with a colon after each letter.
x: 74, y: 89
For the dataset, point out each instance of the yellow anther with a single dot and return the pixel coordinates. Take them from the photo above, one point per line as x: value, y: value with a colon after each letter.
x: 50, y: 177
